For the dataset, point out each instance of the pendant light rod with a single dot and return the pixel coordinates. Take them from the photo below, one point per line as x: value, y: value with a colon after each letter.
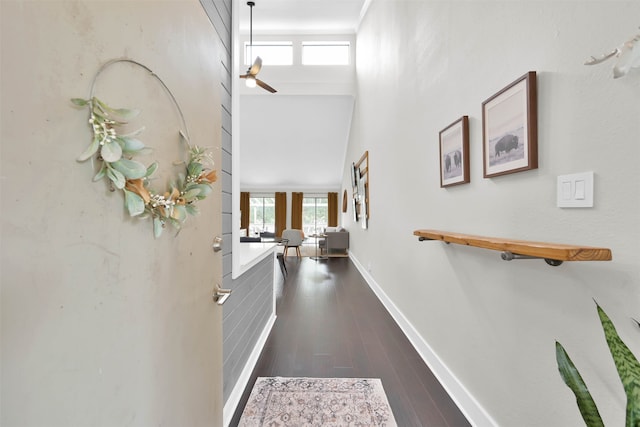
x: 251, y: 4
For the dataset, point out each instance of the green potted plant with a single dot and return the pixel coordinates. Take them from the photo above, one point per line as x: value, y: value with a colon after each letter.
x: 628, y: 369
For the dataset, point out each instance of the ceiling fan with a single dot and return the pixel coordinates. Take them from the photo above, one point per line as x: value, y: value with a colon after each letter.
x: 252, y: 72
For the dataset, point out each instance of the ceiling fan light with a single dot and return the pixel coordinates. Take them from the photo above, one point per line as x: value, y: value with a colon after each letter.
x: 250, y: 81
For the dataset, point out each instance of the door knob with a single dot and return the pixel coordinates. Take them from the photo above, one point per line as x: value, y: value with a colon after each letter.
x: 217, y: 244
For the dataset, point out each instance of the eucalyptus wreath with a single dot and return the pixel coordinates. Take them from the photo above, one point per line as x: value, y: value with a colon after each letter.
x: 115, y: 152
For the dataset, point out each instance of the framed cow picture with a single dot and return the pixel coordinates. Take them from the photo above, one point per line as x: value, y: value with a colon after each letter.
x: 510, y: 128
x: 454, y: 153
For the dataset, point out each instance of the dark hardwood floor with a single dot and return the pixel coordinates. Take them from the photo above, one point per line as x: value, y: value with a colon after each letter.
x: 330, y: 324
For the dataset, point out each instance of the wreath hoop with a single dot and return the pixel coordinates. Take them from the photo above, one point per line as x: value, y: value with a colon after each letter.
x: 115, y: 154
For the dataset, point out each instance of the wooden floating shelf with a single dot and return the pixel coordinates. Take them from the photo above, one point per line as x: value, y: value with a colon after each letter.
x: 553, y: 253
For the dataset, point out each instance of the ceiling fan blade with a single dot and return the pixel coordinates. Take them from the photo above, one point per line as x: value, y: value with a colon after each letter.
x: 255, y: 68
x: 244, y: 76
x: 265, y: 86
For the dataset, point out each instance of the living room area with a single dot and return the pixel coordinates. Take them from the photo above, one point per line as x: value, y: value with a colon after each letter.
x: 301, y: 224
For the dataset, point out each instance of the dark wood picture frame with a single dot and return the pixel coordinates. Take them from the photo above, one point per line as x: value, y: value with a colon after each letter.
x: 510, y: 128
x: 454, y: 153
x: 361, y: 193
x: 344, y: 201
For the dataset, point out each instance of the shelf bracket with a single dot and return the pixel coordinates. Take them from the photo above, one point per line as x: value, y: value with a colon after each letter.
x: 422, y: 239
x: 510, y: 256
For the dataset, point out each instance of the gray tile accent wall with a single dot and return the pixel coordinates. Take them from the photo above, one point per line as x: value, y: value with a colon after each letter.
x: 248, y: 309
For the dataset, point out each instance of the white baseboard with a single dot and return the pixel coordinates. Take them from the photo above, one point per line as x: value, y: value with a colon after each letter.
x: 469, y: 406
x: 236, y: 394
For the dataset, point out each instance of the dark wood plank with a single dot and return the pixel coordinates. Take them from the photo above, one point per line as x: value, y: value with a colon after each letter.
x: 330, y: 324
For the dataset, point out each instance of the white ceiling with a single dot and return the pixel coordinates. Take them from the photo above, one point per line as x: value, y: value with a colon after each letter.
x: 303, y: 16
x: 296, y: 142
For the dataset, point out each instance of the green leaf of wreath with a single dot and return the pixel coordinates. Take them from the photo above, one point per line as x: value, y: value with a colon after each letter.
x: 194, y: 169
x: 173, y: 205
x: 123, y: 113
x: 111, y: 151
x: 191, y: 209
x: 116, y: 177
x: 101, y: 173
x: 130, y: 145
x: 191, y: 194
x: 134, y: 133
x: 179, y: 213
x: 79, y: 102
x: 158, y: 225
x: 203, y: 188
x: 134, y: 203
x: 151, y: 169
x: 130, y: 168
x: 90, y: 151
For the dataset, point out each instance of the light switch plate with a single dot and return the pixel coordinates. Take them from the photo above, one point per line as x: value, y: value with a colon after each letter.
x: 575, y: 190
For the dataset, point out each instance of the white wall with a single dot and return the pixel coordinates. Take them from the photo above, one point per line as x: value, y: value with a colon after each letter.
x: 293, y: 142
x: 422, y: 65
x: 102, y: 324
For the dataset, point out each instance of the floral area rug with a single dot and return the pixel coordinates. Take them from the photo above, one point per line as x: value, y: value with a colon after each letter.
x: 326, y: 402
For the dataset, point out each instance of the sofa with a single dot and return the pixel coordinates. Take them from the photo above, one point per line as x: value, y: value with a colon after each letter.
x: 336, y: 239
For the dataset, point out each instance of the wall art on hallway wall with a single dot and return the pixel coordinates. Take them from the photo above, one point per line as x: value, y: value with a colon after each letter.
x: 454, y: 153
x: 510, y: 128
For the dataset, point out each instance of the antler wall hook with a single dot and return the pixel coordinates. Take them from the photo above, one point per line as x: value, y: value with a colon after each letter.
x: 628, y: 57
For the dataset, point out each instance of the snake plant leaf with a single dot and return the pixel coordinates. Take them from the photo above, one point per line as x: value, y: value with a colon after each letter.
x: 111, y: 151
x: 627, y: 366
x: 158, y: 225
x: 79, y: 102
x: 130, y: 168
x: 133, y: 203
x: 151, y: 169
x: 116, y: 177
x: 574, y: 381
x: 90, y: 151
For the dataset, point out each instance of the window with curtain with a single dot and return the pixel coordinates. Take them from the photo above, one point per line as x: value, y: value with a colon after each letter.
x: 262, y: 214
x: 315, y: 214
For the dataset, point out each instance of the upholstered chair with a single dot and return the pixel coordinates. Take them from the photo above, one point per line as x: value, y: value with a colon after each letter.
x: 293, y: 239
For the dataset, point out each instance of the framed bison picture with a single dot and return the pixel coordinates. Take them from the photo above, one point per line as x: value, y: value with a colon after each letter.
x: 454, y: 153
x: 510, y: 128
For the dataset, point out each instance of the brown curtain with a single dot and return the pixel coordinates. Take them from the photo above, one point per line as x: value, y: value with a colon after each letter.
x: 296, y: 210
x: 244, y: 210
x: 333, y: 209
x: 281, y: 213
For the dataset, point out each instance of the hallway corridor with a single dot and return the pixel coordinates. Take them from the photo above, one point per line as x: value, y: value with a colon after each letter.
x: 330, y: 324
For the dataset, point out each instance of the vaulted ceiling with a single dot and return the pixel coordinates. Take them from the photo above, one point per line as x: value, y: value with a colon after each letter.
x: 296, y: 138
x: 303, y: 16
